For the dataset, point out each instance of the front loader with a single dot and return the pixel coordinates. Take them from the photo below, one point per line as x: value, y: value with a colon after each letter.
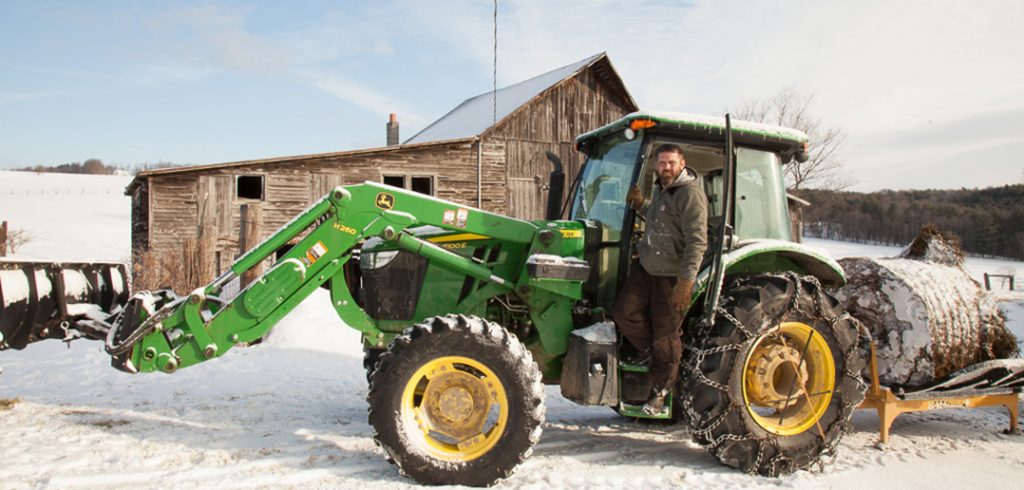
x: 466, y: 314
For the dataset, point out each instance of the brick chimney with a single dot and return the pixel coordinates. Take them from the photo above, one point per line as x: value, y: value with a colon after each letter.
x: 393, y: 130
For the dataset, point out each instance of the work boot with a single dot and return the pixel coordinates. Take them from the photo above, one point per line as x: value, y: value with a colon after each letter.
x: 656, y: 402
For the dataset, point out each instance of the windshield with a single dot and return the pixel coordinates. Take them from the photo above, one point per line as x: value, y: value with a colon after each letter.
x: 760, y: 196
x: 601, y: 195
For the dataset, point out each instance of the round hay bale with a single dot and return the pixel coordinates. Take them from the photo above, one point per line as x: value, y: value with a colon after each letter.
x: 927, y: 316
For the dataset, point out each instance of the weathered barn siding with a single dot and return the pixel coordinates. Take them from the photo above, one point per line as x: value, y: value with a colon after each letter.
x: 174, y: 202
x: 200, y: 210
x: 551, y: 122
x: 140, y: 220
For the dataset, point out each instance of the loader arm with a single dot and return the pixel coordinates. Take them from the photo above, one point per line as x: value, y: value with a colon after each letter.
x: 176, y: 334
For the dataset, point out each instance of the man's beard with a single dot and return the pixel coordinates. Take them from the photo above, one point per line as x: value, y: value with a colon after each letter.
x: 666, y: 179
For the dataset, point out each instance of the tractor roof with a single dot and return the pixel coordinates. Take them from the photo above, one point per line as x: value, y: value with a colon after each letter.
x: 705, y: 128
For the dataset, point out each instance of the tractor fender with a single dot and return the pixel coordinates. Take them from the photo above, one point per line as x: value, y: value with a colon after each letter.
x: 766, y: 256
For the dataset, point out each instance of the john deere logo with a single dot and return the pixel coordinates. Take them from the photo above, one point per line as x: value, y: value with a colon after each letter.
x: 385, y: 200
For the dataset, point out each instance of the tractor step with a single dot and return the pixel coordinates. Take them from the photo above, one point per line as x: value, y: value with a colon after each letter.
x: 634, y: 368
x: 637, y: 411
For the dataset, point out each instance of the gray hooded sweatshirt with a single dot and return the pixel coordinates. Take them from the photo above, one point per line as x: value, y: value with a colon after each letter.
x: 677, y: 224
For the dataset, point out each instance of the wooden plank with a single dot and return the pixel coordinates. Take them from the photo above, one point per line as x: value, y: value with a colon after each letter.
x: 251, y: 235
x: 525, y: 198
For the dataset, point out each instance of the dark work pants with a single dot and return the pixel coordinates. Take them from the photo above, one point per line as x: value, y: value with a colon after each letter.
x: 645, y: 316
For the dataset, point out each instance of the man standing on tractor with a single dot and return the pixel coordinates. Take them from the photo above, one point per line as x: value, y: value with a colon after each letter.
x: 653, y: 302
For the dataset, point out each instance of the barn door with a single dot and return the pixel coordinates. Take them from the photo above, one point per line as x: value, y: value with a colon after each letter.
x: 528, y: 171
x: 216, y: 225
x: 525, y: 198
x: 216, y: 215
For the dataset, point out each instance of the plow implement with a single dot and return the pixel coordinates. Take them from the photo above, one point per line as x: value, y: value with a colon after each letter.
x: 59, y: 300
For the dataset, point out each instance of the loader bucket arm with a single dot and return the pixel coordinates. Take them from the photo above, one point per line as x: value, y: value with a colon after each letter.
x: 166, y: 335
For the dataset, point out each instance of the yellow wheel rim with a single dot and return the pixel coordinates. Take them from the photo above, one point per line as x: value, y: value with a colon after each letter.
x: 454, y: 408
x: 788, y: 379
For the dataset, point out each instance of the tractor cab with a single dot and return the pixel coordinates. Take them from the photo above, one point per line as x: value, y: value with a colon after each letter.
x: 751, y: 256
x: 621, y: 155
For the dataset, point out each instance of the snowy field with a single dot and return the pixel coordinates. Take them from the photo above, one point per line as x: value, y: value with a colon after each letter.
x: 290, y: 413
x: 70, y: 217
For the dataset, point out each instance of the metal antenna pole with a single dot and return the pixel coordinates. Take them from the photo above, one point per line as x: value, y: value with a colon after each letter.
x: 494, y: 93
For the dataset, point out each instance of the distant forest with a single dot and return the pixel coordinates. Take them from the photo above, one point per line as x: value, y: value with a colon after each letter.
x: 95, y: 166
x: 989, y: 222
x: 91, y: 166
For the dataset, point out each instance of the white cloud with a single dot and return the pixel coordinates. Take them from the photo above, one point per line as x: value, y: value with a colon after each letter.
x: 218, y: 39
x: 363, y: 97
x: 223, y: 43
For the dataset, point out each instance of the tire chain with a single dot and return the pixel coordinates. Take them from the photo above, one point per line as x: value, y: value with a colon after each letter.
x: 779, y: 462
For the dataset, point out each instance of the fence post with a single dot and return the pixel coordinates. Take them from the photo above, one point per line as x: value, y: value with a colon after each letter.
x: 3, y: 239
x: 988, y: 286
x: 1011, y: 283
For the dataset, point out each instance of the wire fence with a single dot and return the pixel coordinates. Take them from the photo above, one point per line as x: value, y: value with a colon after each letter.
x: 44, y: 192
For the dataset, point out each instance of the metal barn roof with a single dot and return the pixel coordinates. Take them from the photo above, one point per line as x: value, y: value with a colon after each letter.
x: 476, y: 115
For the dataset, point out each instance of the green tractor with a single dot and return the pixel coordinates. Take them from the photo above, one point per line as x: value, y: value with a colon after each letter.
x: 465, y: 315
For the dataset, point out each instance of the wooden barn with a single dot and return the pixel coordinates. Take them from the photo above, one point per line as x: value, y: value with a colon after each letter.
x: 189, y: 223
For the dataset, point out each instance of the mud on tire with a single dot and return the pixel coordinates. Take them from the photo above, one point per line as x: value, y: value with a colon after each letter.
x: 780, y: 347
x: 370, y: 358
x: 456, y: 400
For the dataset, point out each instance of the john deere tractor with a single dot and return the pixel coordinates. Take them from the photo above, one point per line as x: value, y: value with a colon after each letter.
x: 465, y: 315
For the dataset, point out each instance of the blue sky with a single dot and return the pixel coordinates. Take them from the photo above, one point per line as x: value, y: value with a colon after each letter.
x: 930, y: 93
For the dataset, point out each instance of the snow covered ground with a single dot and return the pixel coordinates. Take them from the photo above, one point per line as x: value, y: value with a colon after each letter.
x: 291, y: 412
x: 70, y: 217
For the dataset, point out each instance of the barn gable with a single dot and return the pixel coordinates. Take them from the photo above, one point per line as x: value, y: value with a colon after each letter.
x: 477, y: 115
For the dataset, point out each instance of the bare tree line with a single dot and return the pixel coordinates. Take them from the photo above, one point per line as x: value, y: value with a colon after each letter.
x: 989, y: 221
x: 790, y: 108
x: 95, y: 166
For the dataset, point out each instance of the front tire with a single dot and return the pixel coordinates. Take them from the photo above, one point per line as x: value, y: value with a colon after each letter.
x: 771, y: 386
x: 370, y: 358
x: 456, y: 400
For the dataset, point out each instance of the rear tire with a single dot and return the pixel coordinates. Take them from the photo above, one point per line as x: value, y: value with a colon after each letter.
x: 456, y: 400
x: 771, y: 386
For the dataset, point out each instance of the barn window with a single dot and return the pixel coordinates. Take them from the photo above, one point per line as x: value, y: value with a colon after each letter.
x: 424, y: 184
x: 395, y: 180
x: 249, y: 187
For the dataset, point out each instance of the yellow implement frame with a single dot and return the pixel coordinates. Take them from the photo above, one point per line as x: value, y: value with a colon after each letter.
x: 890, y: 406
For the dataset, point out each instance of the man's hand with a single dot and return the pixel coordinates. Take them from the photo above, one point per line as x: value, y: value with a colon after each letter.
x: 635, y: 198
x: 681, y: 294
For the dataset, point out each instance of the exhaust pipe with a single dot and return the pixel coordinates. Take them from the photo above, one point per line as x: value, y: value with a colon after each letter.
x: 556, y: 187
x: 46, y: 300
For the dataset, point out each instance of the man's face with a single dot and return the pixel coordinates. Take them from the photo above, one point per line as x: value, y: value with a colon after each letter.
x: 670, y: 164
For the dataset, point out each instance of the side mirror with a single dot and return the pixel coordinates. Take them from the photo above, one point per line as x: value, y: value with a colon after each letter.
x: 802, y: 156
